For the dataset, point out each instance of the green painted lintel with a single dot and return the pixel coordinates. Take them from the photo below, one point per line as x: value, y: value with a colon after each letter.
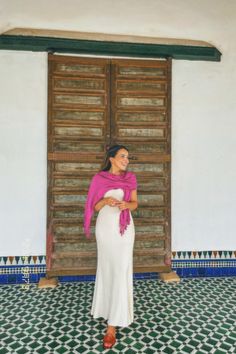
x: 78, y: 46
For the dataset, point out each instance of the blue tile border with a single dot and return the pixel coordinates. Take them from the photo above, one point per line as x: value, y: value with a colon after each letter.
x: 66, y: 278
x: 21, y: 274
x: 29, y: 269
x: 205, y: 272
x: 18, y: 277
x: 26, y: 274
x: 205, y: 268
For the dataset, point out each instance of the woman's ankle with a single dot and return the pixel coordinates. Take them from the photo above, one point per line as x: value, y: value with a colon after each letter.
x: 111, y: 329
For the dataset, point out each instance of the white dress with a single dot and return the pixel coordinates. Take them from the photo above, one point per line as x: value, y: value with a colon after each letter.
x: 113, y: 292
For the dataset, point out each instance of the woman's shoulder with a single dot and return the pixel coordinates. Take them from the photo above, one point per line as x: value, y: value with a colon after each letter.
x: 100, y: 175
x: 131, y: 177
x: 96, y: 177
x: 130, y: 174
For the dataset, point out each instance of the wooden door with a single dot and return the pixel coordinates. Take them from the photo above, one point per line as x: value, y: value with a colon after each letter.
x: 141, y: 120
x: 94, y: 103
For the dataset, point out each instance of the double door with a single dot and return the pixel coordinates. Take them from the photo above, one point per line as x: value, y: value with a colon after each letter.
x: 93, y: 103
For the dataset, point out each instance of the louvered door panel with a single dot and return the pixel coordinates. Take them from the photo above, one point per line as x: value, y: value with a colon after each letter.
x: 93, y: 103
x: 141, y: 111
x: 78, y: 127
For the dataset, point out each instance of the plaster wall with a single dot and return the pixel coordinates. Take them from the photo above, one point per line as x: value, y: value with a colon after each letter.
x: 203, y: 116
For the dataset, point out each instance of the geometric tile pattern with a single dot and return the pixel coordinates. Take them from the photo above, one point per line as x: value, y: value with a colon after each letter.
x: 180, y: 255
x: 21, y: 274
x: 196, y: 316
x: 203, y: 255
x: 22, y: 260
x: 199, y: 268
x: 20, y: 269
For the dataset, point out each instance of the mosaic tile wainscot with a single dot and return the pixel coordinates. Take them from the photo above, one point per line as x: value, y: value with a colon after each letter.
x: 29, y: 269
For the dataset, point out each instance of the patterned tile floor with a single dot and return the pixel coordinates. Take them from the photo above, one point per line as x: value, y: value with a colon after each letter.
x: 194, y: 316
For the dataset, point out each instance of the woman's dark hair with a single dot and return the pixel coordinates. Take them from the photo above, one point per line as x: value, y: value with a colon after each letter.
x: 111, y: 152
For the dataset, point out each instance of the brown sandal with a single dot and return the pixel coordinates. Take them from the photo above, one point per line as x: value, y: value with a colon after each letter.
x: 108, y: 341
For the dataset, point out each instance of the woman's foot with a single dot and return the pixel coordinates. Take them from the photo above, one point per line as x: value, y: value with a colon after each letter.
x: 109, y: 338
x: 112, y: 330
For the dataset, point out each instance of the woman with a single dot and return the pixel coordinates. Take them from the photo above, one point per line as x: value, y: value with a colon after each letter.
x: 113, y: 193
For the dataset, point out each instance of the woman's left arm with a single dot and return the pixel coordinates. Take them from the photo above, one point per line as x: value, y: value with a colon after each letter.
x: 132, y: 204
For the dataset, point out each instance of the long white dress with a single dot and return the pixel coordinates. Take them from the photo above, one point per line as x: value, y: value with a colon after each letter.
x: 113, y: 292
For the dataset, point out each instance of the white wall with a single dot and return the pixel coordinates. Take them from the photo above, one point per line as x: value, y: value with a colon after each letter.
x: 203, y: 117
x: 203, y: 153
x: 23, y: 138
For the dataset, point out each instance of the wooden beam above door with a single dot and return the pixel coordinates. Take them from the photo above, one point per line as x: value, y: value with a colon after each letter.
x: 107, y: 44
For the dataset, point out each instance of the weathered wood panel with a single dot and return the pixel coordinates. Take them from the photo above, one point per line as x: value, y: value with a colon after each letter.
x: 78, y: 125
x: 94, y: 103
x: 141, y: 110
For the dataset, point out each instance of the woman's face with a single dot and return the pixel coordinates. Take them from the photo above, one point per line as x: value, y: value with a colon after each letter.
x: 121, y: 160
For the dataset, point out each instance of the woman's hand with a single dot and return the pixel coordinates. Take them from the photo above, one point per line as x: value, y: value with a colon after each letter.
x: 131, y: 205
x: 122, y: 205
x: 111, y: 201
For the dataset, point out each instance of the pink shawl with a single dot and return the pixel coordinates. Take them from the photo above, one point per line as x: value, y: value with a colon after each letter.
x: 101, y: 183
